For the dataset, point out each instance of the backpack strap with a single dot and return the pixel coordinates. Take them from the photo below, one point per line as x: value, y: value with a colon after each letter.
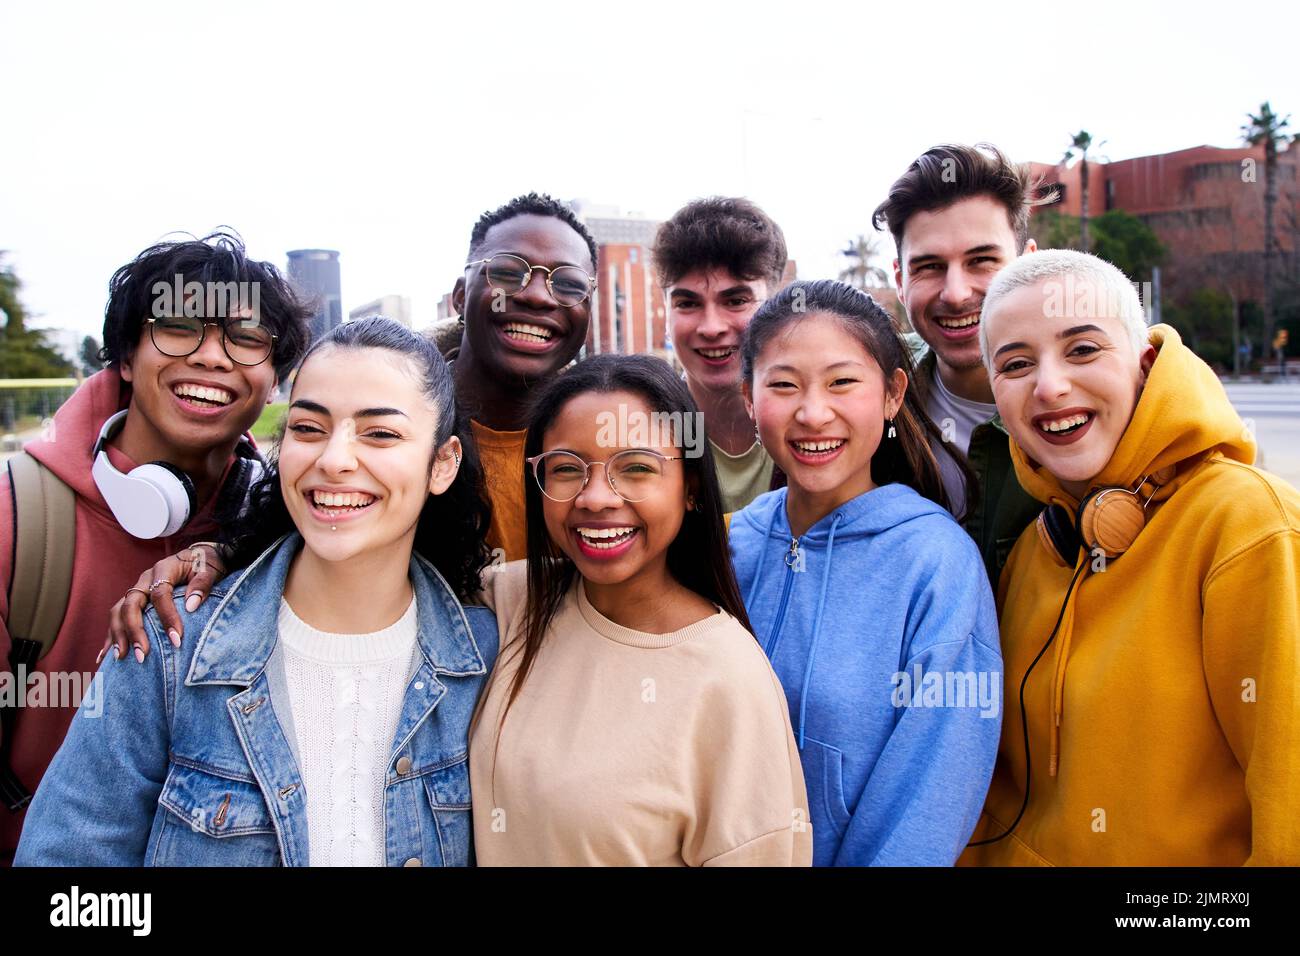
x: 45, y: 527
x: 44, y: 544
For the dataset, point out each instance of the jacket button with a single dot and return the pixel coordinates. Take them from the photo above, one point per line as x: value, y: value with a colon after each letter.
x: 403, y: 766
x: 413, y: 861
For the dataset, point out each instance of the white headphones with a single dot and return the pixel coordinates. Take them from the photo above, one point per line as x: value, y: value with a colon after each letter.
x: 153, y: 501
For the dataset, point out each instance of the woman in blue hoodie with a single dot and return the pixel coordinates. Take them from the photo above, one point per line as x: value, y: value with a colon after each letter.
x: 870, y: 601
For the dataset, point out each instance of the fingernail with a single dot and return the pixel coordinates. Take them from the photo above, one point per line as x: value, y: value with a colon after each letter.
x: 100, y: 657
x: 191, y: 603
x: 139, y: 655
x: 176, y: 638
x: 117, y: 655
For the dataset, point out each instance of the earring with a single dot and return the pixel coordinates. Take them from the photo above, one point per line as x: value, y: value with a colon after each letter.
x: 757, y: 437
x: 892, y: 433
x: 690, y: 503
x: 457, y: 459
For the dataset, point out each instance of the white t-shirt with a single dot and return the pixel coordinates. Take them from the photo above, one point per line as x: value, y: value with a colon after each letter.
x: 956, y: 418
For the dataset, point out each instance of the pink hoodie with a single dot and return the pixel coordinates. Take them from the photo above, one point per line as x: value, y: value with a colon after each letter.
x: 108, y: 561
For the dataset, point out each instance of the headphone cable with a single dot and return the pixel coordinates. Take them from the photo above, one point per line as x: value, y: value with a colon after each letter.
x: 1024, y: 719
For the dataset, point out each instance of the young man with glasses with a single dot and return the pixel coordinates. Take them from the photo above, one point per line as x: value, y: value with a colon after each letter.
x: 718, y: 260
x: 525, y: 299
x: 181, y: 389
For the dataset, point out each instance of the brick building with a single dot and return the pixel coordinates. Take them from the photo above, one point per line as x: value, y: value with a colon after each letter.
x: 1206, y: 204
x: 627, y: 313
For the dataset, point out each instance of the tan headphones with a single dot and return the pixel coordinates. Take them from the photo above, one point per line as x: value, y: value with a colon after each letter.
x: 1108, y: 520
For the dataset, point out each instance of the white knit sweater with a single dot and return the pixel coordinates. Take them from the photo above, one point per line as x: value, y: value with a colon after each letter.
x: 345, y: 694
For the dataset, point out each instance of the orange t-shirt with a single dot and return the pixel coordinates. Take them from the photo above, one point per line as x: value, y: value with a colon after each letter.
x: 502, y: 456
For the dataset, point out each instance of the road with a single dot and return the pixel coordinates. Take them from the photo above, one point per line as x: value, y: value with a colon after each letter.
x: 1273, y: 413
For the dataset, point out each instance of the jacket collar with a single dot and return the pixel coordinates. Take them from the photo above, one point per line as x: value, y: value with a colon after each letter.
x: 238, y: 639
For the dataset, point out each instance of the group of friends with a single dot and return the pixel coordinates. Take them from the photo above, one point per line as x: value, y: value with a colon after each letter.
x: 1003, y: 590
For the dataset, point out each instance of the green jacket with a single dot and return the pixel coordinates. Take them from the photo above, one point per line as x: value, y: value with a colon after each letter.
x: 1003, y: 509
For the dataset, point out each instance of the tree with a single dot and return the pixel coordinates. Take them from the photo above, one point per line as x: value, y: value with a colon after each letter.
x: 1127, y: 243
x: 90, y: 363
x: 10, y: 304
x: 1266, y: 130
x: 1054, y: 229
x: 1206, y: 321
x: 1080, y: 143
x: 862, y: 254
x: 24, y: 352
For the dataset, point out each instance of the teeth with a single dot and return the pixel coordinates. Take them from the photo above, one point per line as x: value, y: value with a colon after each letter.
x: 605, y: 538
x: 218, y: 396
x: 811, y: 446
x: 958, y: 322
x: 351, y: 499
x: 1063, y: 424
x: 532, y: 331
x: 716, y: 353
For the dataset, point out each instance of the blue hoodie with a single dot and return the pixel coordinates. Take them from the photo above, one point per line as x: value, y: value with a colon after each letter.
x: 880, y: 623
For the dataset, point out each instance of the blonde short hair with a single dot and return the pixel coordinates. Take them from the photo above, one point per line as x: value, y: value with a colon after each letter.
x: 1102, y: 290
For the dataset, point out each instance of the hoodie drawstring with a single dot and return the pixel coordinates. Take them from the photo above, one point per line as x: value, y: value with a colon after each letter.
x: 758, y: 571
x: 817, y: 627
x: 1058, y: 678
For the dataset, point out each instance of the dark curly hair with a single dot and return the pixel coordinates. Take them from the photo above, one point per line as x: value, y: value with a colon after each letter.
x: 218, y: 257
x: 720, y: 232
x: 452, y: 526
x: 532, y: 204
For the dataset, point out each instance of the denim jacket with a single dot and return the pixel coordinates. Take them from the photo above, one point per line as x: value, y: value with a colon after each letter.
x: 185, y: 759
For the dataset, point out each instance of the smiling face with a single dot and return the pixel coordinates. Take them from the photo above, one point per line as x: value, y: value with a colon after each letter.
x: 197, y: 401
x: 708, y: 312
x: 357, y: 450
x: 528, y: 335
x: 821, y: 401
x: 947, y: 259
x: 612, y: 540
x: 1065, y: 385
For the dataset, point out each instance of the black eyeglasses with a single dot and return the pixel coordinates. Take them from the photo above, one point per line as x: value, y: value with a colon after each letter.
x: 510, y: 275
x: 245, y: 341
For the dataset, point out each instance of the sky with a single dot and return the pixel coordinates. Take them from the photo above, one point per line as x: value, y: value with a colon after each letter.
x: 384, y: 129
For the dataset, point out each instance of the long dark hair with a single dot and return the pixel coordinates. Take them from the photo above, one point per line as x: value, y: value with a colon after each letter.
x: 698, y: 558
x: 451, y: 528
x: 907, y: 459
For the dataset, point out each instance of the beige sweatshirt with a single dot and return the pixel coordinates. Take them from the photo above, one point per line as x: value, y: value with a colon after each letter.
x: 631, y: 749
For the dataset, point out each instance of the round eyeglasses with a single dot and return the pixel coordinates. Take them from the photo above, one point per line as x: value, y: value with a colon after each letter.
x: 510, y: 275
x: 634, y: 475
x: 245, y: 342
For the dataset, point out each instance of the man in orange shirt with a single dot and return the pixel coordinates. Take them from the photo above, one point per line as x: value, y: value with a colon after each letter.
x: 525, y: 302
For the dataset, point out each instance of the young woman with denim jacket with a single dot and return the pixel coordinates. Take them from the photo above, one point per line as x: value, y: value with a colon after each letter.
x: 319, y: 713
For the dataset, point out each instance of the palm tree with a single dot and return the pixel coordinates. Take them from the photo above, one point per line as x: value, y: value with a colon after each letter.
x: 1080, y: 143
x: 1266, y: 130
x: 862, y: 254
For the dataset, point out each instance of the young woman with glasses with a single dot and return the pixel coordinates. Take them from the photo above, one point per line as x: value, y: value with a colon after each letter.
x: 632, y: 719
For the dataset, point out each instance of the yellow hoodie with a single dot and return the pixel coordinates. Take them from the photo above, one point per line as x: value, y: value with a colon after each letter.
x: 1171, y: 693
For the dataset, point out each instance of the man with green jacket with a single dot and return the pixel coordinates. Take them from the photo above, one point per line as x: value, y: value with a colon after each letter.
x: 959, y: 215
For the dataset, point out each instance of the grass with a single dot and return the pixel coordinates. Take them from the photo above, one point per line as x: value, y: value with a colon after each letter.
x: 266, y: 424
